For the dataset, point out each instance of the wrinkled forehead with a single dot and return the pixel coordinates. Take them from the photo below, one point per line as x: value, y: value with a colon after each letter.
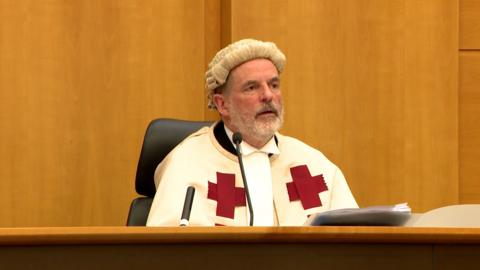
x: 256, y: 70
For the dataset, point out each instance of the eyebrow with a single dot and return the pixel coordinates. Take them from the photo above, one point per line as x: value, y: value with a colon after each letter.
x: 274, y: 79
x: 250, y: 82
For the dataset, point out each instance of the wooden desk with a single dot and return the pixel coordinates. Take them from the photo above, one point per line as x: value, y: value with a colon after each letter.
x: 239, y: 248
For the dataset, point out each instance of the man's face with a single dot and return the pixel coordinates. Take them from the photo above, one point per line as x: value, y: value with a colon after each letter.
x: 252, y: 101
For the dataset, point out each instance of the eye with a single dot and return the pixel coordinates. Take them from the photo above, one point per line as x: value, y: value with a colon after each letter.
x: 275, y: 85
x: 251, y: 87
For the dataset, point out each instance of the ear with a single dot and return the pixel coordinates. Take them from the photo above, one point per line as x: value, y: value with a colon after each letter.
x: 221, y: 104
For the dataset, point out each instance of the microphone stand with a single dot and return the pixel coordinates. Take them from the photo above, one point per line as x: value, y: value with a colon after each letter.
x: 237, y: 139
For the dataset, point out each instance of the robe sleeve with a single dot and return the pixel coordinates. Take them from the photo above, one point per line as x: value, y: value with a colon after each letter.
x: 341, y: 196
x: 172, y: 177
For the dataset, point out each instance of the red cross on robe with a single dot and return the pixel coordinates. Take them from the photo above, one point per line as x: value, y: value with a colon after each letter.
x: 305, y: 187
x: 226, y: 194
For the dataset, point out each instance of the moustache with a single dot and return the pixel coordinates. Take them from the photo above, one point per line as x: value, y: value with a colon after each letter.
x: 268, y: 108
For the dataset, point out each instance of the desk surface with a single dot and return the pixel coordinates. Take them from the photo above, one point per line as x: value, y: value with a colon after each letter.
x: 324, y: 234
x: 239, y: 248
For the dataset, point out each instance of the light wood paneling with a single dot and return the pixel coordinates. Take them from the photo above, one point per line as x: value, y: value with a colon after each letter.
x: 469, y: 24
x: 469, y: 127
x: 79, y: 82
x: 373, y: 84
x: 469, y: 101
x: 213, y: 43
x: 370, y: 83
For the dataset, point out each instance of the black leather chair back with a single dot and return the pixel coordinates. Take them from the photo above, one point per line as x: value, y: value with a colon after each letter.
x: 161, y: 137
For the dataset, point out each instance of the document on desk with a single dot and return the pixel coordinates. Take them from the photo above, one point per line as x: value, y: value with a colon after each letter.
x: 390, y: 215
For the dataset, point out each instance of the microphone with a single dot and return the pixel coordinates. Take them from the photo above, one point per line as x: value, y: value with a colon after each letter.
x: 237, y: 139
x: 187, y: 206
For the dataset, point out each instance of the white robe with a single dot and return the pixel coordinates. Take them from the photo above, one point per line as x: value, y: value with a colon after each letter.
x: 200, y: 159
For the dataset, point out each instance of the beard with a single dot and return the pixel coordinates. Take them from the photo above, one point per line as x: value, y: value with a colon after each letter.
x: 262, y: 124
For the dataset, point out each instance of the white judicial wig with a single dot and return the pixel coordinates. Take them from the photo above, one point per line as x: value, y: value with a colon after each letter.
x: 235, y: 54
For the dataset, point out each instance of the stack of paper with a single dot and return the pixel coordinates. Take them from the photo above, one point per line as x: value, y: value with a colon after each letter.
x: 392, y: 215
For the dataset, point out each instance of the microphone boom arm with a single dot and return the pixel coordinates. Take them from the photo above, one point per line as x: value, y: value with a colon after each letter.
x: 237, y: 139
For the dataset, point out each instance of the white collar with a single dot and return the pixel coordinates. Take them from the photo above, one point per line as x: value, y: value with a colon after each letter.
x: 269, y: 148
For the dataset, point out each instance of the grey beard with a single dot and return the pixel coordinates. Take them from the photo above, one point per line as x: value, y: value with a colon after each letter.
x: 263, y: 131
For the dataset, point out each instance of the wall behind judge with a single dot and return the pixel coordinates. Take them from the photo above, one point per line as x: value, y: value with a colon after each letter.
x: 373, y: 84
x: 79, y: 81
x: 469, y: 101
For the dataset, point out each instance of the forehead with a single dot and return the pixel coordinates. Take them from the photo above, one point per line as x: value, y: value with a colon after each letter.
x: 254, y: 70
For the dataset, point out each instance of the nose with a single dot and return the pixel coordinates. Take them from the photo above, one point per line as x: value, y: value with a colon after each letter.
x: 267, y: 93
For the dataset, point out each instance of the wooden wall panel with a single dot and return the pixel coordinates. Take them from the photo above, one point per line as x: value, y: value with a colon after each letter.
x: 469, y: 126
x: 373, y: 84
x: 79, y: 82
x: 469, y: 101
x: 370, y: 83
x: 469, y: 17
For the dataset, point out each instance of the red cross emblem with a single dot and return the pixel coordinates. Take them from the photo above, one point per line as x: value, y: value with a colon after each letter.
x: 226, y: 194
x: 305, y: 187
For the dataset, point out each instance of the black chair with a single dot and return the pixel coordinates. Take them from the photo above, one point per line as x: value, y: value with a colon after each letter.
x: 161, y: 137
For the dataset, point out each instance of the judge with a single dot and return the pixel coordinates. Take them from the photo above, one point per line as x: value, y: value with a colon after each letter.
x: 287, y: 179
